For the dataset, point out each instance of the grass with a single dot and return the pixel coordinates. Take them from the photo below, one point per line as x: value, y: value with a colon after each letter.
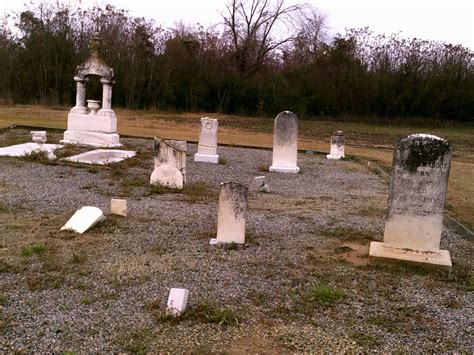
x: 33, y: 249
x: 158, y: 189
x: 324, y: 295
x: 223, y: 161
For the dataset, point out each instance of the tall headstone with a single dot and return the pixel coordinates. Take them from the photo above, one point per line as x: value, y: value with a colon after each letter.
x: 285, y: 143
x: 171, y: 152
x: 86, y: 125
x: 231, y: 213
x: 207, y: 147
x: 337, y: 146
x: 418, y: 187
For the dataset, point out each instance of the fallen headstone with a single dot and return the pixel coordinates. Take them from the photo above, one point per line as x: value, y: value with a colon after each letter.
x: 84, y: 219
x: 420, y: 171
x: 101, y: 156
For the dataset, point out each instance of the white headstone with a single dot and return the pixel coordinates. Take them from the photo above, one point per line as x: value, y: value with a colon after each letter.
x: 171, y: 152
x: 285, y: 143
x: 85, y: 218
x: 337, y: 146
x: 177, y: 301
x: 168, y: 176
x: 418, y: 187
x: 118, y: 207
x: 207, y: 147
x: 232, y: 213
x: 38, y: 136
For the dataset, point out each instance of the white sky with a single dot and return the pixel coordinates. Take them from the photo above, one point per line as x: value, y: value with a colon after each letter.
x: 449, y: 21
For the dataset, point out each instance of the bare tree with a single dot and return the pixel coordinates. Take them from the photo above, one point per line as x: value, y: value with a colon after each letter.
x: 253, y: 27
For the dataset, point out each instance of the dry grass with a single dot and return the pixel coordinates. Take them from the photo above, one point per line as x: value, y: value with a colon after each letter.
x: 372, y: 138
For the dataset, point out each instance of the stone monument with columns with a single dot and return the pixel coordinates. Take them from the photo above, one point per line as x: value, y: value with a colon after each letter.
x: 93, y: 125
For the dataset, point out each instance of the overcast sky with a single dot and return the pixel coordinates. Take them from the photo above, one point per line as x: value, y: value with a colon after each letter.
x: 447, y: 21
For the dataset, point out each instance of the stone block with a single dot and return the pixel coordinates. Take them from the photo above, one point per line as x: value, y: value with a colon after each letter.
x: 84, y: 219
x: 118, y: 207
x: 177, y: 301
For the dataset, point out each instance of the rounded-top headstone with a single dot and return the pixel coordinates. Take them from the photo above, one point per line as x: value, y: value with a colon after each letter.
x: 167, y: 175
x: 285, y: 143
x: 231, y: 213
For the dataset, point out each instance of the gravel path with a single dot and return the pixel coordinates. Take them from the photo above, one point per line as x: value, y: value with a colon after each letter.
x: 106, y: 290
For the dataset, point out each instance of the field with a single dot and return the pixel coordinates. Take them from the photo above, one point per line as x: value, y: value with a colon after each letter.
x: 372, y: 139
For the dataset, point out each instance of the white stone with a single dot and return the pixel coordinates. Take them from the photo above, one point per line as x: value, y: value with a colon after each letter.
x: 285, y: 143
x: 168, y: 176
x: 177, y: 301
x: 171, y: 152
x: 38, y: 136
x: 85, y: 218
x: 337, y: 146
x: 258, y: 182
x: 19, y: 150
x: 101, y: 156
x: 418, y: 187
x: 207, y: 147
x: 232, y: 213
x: 118, y: 207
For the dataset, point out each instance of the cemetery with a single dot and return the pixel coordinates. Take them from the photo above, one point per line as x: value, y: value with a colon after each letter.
x: 133, y: 244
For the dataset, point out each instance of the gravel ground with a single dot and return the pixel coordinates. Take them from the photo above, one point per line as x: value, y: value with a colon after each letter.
x: 106, y: 290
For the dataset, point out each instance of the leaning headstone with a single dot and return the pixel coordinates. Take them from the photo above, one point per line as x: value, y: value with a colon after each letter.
x: 337, y: 146
x: 207, y: 147
x: 231, y: 213
x: 118, y: 207
x: 420, y: 171
x: 171, y: 152
x: 285, y: 143
x: 168, y: 176
x: 177, y: 301
x: 84, y: 219
x: 38, y: 136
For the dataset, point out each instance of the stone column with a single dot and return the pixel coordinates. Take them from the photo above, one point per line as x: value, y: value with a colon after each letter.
x: 80, y: 95
x: 106, y: 94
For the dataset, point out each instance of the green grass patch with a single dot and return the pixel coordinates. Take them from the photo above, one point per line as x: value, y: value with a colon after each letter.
x: 157, y: 189
x: 33, y: 249
x: 324, y: 295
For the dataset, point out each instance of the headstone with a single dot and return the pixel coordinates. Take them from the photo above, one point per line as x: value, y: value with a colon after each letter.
x: 171, y: 152
x: 19, y: 150
x: 207, y: 147
x: 260, y: 184
x: 101, y: 156
x: 420, y: 171
x: 177, y: 301
x: 285, y: 143
x: 118, y: 207
x: 86, y: 125
x: 168, y: 176
x: 38, y: 136
x: 231, y: 213
x: 84, y: 219
x: 337, y: 146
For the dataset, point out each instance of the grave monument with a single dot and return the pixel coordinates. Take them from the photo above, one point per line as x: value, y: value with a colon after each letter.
x: 420, y: 171
x: 93, y: 125
x: 285, y: 143
x: 171, y: 152
x: 207, y: 147
x: 337, y: 146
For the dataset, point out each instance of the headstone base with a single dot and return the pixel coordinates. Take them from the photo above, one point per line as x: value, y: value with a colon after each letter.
x: 94, y: 139
x: 215, y: 241
x: 380, y: 252
x: 284, y: 169
x: 334, y: 157
x: 206, y: 158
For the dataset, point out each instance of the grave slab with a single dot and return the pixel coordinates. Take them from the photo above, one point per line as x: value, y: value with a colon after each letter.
x: 19, y: 150
x: 84, y: 219
x: 101, y: 156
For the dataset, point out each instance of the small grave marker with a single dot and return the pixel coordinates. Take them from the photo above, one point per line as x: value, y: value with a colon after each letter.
x: 177, y: 301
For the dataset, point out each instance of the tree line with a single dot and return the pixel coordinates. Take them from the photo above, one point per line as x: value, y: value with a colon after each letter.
x: 263, y: 58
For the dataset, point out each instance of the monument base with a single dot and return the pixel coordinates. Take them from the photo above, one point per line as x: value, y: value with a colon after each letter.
x: 206, y: 158
x: 334, y: 157
x: 284, y: 169
x: 214, y: 241
x: 381, y: 252
x: 94, y: 139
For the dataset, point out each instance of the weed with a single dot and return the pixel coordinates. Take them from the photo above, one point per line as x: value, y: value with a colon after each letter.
x: 35, y: 156
x: 135, y: 182
x: 197, y: 192
x: 364, y: 339
x: 86, y: 301
x: 33, y: 249
x: 324, y: 294
x: 78, y: 258
x: 3, y: 300
x: 259, y: 298
x: 223, y: 161
x: 263, y: 168
x: 231, y: 246
x: 161, y: 189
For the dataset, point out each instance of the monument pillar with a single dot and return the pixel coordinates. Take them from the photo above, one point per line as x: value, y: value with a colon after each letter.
x: 80, y: 95
x: 106, y: 94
